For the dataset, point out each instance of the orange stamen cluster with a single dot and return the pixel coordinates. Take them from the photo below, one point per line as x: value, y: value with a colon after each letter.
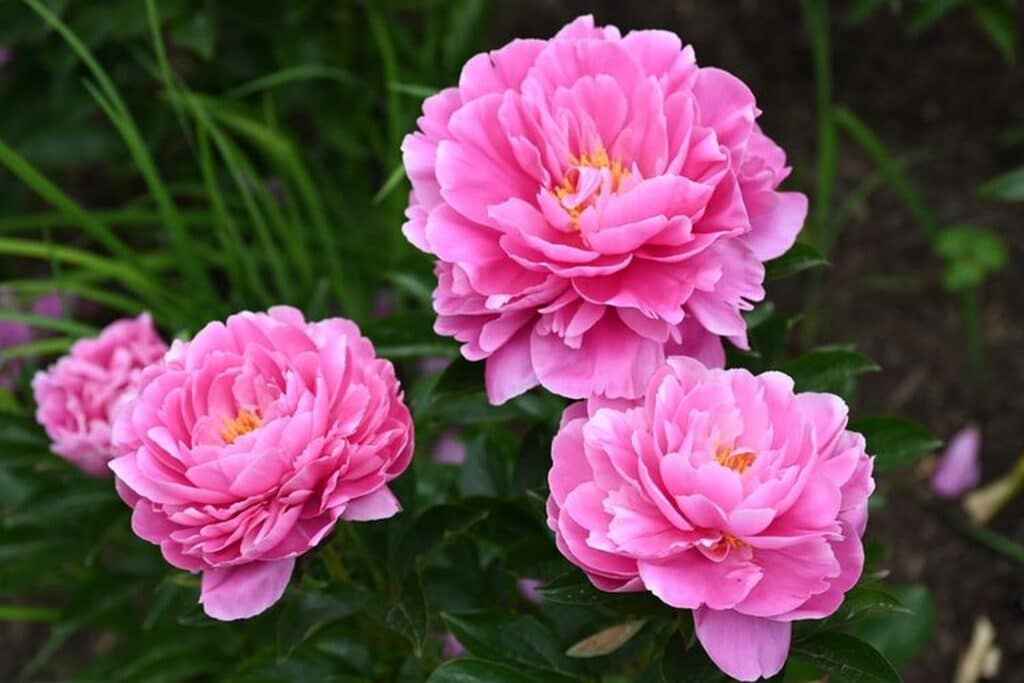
x: 727, y: 542
x: 736, y: 460
x: 243, y: 424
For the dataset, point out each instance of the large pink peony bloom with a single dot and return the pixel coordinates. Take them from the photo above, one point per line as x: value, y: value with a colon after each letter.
x: 721, y: 492
x: 79, y: 397
x: 251, y: 441
x: 593, y: 201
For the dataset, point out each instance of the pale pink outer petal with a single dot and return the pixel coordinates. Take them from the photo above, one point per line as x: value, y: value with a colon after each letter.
x: 243, y: 591
x: 380, y: 504
x: 773, y: 232
x: 509, y: 371
x: 746, y: 648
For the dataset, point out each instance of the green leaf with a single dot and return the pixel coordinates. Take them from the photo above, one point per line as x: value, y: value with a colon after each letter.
x: 484, y: 472
x: 864, y: 601
x: 17, y: 431
x: 971, y: 254
x: 409, y: 617
x: 830, y: 368
x: 901, y: 637
x: 1008, y: 187
x: 573, y: 588
x: 315, y: 609
x: 436, y: 526
x: 469, y: 670
x: 606, y: 640
x: 897, y: 179
x: 459, y: 398
x: 680, y: 664
x: 894, y: 441
x: 27, y: 613
x: 513, y: 638
x: 860, y: 11
x: 846, y: 659
x: 534, y: 459
x: 799, y: 258
x: 997, y: 19
x: 196, y: 34
x: 931, y: 11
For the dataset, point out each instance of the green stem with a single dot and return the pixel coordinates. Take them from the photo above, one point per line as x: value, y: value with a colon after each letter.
x: 816, y: 18
x: 972, y: 330
x: 335, y: 567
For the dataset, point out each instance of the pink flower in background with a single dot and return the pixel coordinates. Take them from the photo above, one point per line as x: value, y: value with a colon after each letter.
x: 17, y: 333
x: 595, y: 201
x: 451, y: 648
x: 11, y: 334
x: 528, y: 589
x: 78, y: 398
x: 720, y: 492
x: 247, y: 445
x: 449, y: 449
x: 959, y: 467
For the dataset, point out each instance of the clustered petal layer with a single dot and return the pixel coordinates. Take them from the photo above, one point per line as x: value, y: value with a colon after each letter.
x: 719, y: 491
x: 595, y: 201
x: 249, y: 442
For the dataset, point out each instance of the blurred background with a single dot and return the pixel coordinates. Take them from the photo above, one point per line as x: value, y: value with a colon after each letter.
x: 275, y: 127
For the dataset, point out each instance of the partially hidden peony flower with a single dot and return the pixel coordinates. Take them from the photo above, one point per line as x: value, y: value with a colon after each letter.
x: 246, y: 446
x: 719, y: 491
x: 594, y: 202
x: 449, y: 449
x: 528, y: 588
x: 79, y: 398
x: 15, y: 333
x: 959, y: 468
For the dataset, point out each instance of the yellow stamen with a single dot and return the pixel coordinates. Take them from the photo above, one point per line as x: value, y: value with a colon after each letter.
x: 727, y: 541
x: 243, y: 424
x: 570, y: 181
x: 735, y: 460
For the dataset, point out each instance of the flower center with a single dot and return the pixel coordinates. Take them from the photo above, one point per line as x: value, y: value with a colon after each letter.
x: 243, y: 424
x: 737, y: 460
x: 727, y: 542
x: 590, y: 175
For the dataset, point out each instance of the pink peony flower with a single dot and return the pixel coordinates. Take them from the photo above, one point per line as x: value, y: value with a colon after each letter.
x: 78, y: 398
x: 722, y: 492
x: 959, y: 468
x: 247, y: 445
x: 595, y: 201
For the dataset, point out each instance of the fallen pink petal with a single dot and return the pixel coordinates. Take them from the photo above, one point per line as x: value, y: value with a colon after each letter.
x: 959, y: 468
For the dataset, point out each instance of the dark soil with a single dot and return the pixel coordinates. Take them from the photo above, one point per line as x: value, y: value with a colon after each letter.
x: 941, y: 100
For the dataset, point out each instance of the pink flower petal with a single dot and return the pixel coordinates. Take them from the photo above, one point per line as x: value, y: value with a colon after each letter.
x: 243, y: 591
x: 746, y: 648
x: 959, y: 468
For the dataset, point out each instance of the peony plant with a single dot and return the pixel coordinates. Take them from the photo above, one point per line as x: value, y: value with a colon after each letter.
x: 626, y: 477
